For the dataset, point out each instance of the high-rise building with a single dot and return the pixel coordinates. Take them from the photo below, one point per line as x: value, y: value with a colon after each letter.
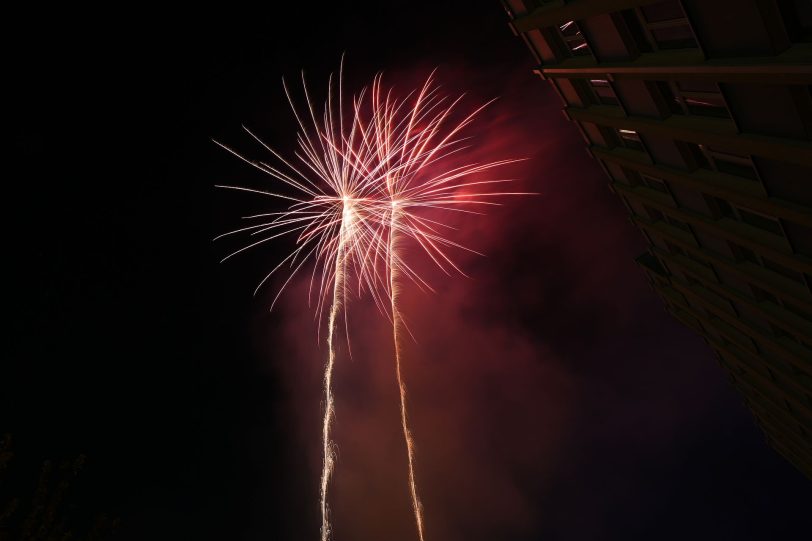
x: 700, y: 113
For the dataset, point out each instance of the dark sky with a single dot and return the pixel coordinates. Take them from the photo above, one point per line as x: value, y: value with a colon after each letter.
x: 552, y: 396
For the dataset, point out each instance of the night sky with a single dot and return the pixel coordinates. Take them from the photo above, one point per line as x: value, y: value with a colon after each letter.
x: 551, y: 395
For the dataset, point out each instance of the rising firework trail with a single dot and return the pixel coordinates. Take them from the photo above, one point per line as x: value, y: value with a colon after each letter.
x: 329, y: 214
x: 365, y: 180
x: 413, y: 140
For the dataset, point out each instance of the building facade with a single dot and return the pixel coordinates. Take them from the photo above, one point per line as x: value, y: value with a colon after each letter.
x: 700, y: 113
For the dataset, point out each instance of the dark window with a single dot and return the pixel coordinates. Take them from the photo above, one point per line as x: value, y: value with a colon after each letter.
x: 803, y: 314
x: 637, y: 31
x: 611, y: 136
x: 724, y: 209
x: 631, y: 139
x: 700, y: 98
x: 533, y: 4
x: 654, y: 214
x: 635, y: 179
x: 780, y: 332
x: 673, y: 36
x: 744, y: 254
x: 723, y: 161
x: 797, y: 15
x: 674, y: 249
x: 604, y: 94
x: 679, y: 224
x: 582, y: 88
x: 662, y: 11
x: 762, y: 222
x: 663, y: 26
x: 691, y: 280
x: 783, y: 271
x: 732, y: 164
x: 655, y: 184
x: 761, y: 295
x: 674, y: 104
x: 699, y: 157
x: 701, y: 261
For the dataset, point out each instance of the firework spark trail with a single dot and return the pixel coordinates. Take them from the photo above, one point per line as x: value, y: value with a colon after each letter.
x: 410, y: 143
x: 328, y: 454
x: 385, y: 145
x: 396, y: 324
x: 330, y: 214
x: 361, y: 190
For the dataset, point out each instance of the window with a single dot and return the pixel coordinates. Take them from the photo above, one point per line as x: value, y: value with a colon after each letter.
x: 696, y: 154
x: 631, y: 139
x: 758, y: 220
x: 745, y: 254
x: 731, y: 164
x: 654, y: 184
x: 676, y: 250
x: 803, y: 314
x: 761, y: 295
x: 692, y: 281
x: 725, y: 209
x: 786, y: 272
x: 679, y: 224
x: 573, y: 39
x: 701, y: 261
x: 581, y: 94
x: 660, y: 25
x: 603, y: 92
x: 667, y: 92
x: 797, y: 15
x: 654, y: 214
x: 533, y: 4
x: 722, y: 161
x: 781, y: 332
x: 699, y: 98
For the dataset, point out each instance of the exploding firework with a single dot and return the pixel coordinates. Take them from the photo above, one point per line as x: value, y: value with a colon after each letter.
x: 329, y: 215
x: 366, y: 179
x: 413, y: 140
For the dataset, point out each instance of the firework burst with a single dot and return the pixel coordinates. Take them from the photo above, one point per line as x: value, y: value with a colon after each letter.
x: 328, y: 214
x: 413, y: 140
x: 365, y: 179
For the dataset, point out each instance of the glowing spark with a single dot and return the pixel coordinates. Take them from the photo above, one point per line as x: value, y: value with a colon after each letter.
x: 412, y: 144
x: 327, y: 215
x: 360, y: 186
x: 396, y: 323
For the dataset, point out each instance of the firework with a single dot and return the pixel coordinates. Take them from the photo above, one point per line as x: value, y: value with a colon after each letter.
x: 329, y: 216
x: 413, y: 140
x: 364, y: 180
